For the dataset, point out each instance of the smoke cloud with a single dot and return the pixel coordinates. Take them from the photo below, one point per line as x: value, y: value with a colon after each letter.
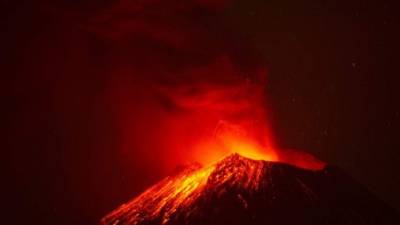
x: 179, y: 76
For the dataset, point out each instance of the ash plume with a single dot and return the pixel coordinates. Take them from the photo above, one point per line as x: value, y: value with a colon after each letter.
x: 181, y: 73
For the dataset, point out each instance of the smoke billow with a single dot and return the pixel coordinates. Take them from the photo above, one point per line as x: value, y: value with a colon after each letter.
x: 185, y: 86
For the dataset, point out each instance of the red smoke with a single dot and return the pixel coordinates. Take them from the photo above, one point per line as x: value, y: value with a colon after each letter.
x: 186, y: 89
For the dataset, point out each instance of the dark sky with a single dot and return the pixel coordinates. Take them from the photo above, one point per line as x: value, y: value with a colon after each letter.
x: 76, y: 71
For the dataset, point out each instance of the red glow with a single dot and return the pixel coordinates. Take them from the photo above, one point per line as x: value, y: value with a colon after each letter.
x: 201, y: 103
x: 204, y: 122
x: 228, y: 139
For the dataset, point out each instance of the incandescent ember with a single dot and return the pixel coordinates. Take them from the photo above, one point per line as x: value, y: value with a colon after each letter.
x: 180, y: 192
x: 239, y: 190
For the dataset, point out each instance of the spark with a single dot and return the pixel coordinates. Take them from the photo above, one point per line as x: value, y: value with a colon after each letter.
x: 179, y: 193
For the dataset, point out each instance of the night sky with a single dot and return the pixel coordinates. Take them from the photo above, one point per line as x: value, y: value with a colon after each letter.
x: 83, y: 130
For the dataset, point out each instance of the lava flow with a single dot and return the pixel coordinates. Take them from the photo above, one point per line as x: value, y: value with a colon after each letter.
x: 241, y: 191
x: 177, y: 195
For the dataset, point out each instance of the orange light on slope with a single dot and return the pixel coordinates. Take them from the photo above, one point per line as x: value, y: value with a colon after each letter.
x: 178, y: 194
x: 165, y: 198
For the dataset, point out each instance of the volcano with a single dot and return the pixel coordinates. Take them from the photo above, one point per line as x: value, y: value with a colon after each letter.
x: 239, y: 191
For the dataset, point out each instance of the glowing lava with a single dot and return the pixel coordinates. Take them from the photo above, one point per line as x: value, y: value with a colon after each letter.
x: 178, y: 195
x: 164, y: 198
